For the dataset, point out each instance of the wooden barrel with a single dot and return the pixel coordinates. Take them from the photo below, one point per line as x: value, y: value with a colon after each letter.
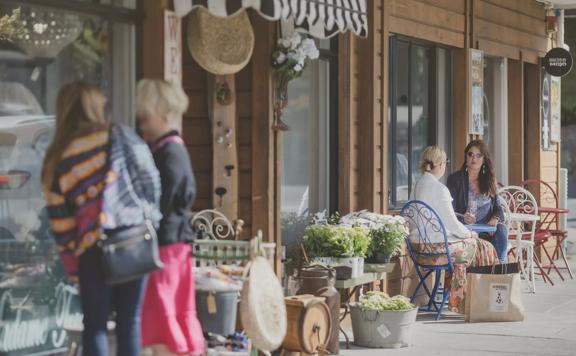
x: 309, y: 324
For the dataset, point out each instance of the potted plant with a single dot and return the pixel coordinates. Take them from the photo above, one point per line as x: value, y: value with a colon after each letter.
x: 386, y: 238
x: 381, y: 321
x: 337, y: 245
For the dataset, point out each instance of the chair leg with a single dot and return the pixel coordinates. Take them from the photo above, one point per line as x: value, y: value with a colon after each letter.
x: 551, y: 263
x: 543, y: 273
x: 420, y: 284
x: 566, y: 262
x: 432, y: 300
x: 559, y: 253
x: 444, y: 299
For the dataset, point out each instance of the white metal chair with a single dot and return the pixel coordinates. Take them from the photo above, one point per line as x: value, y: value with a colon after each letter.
x: 521, y: 216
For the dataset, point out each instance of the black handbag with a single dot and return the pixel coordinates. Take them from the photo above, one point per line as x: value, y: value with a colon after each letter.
x: 132, y: 252
x: 129, y: 253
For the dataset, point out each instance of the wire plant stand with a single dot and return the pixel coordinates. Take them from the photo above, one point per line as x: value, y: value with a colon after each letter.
x: 219, y: 245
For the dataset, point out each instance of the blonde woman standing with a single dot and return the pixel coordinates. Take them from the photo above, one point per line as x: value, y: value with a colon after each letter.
x: 89, y: 188
x: 466, y: 249
x: 169, y: 322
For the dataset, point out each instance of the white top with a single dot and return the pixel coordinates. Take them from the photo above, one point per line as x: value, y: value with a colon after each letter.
x: 432, y: 192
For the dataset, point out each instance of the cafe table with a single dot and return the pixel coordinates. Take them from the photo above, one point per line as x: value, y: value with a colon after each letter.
x: 516, y: 220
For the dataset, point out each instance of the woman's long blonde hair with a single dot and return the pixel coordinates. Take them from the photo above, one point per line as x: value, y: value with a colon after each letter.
x: 79, y: 105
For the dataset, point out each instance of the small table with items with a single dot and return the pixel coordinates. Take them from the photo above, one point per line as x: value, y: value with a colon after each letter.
x: 478, y: 228
x: 351, y: 286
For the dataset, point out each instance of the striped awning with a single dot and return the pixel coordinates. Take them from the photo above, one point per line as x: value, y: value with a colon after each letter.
x: 319, y: 18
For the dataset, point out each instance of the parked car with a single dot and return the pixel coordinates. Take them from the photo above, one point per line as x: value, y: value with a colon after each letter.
x: 23, y: 144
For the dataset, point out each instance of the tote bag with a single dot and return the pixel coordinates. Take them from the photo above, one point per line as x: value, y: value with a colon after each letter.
x: 494, y: 294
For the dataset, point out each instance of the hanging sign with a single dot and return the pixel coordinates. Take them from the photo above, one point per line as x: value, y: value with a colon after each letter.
x: 476, y: 124
x: 557, y: 62
x: 555, y: 108
x: 172, y: 47
x: 545, y: 111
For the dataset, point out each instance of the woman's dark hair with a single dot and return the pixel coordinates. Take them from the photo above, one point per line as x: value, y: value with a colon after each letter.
x: 487, y: 176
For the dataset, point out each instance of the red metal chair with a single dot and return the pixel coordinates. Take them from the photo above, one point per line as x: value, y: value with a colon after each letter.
x: 550, y: 213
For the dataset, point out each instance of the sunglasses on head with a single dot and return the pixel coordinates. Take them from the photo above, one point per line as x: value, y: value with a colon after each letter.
x: 472, y: 154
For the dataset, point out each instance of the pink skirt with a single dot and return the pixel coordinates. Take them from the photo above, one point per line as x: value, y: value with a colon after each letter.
x: 169, y: 310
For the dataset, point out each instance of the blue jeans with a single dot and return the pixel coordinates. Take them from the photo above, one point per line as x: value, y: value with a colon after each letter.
x: 98, y: 299
x: 499, y: 240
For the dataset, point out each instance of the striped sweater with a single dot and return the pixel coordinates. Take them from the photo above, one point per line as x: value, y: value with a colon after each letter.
x: 90, y: 192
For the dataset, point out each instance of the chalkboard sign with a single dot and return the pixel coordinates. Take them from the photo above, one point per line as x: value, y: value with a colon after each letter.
x: 557, y: 62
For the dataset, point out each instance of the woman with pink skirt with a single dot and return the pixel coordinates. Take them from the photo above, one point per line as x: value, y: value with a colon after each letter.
x: 170, y: 325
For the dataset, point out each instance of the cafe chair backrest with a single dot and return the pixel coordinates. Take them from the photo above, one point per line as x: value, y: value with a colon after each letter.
x: 427, y: 239
x: 542, y: 191
x: 519, y: 201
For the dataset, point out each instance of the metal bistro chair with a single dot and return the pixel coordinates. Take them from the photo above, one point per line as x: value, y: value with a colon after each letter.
x: 424, y: 224
x: 522, y: 217
x: 550, y: 212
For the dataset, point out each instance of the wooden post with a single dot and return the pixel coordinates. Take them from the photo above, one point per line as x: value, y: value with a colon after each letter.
x: 461, y: 83
x: 515, y: 121
x: 222, y: 98
x: 265, y: 179
x: 533, y: 144
x: 153, y: 32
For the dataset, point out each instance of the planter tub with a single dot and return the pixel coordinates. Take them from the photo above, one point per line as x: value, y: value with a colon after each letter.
x: 382, y: 329
x: 355, y: 263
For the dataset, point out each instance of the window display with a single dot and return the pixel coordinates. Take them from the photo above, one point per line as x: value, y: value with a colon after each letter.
x: 42, y: 48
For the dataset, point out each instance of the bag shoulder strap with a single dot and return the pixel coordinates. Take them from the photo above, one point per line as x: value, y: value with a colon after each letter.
x: 165, y: 140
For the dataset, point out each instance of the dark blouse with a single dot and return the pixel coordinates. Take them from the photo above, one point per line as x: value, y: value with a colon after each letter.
x: 178, y: 191
x: 458, y: 185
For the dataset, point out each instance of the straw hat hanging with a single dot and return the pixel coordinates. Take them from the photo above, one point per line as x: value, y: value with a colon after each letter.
x: 221, y: 45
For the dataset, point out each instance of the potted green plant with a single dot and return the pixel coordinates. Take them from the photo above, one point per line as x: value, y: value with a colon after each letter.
x: 386, y: 239
x: 337, y: 245
x: 381, y: 321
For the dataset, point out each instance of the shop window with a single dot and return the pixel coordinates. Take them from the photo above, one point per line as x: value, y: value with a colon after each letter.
x: 42, y: 48
x: 496, y: 114
x: 309, y: 166
x: 419, y: 111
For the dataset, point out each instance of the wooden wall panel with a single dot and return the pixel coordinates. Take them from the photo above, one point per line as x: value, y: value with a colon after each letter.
x: 346, y: 59
x: 461, y: 103
x: 436, y: 21
x: 504, y: 28
x: 529, y: 8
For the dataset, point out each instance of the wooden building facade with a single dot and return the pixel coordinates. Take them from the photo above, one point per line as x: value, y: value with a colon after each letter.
x: 373, y: 103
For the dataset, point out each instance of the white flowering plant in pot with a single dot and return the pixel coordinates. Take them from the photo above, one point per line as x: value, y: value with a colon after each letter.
x: 288, y: 62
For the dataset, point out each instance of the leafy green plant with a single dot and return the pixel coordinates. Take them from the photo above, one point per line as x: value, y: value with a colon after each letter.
x: 388, y: 236
x: 360, y: 239
x: 382, y: 302
x: 328, y: 241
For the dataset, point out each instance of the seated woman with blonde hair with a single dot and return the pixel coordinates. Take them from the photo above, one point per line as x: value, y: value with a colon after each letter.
x: 466, y: 249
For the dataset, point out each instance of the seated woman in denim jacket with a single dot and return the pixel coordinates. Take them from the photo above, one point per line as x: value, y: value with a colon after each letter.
x: 473, y: 189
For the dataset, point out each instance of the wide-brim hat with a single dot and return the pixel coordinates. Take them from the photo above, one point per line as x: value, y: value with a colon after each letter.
x: 221, y: 45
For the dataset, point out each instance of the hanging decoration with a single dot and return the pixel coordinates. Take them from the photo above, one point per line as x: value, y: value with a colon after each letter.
x: 11, y: 26
x: 46, y: 32
x: 288, y: 62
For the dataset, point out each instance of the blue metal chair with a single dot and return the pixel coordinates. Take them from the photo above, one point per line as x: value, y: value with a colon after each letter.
x: 424, y: 224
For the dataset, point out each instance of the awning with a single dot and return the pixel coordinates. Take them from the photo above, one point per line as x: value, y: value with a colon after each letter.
x: 319, y: 18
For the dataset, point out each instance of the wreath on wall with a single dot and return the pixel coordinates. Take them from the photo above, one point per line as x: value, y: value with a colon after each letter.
x: 288, y: 62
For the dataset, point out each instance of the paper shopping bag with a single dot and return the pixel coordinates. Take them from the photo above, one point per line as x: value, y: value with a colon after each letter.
x: 493, y: 297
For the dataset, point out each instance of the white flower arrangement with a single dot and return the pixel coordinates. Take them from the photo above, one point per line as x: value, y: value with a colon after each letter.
x: 289, y: 58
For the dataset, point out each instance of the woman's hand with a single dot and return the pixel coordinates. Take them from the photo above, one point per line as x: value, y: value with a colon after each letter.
x: 493, y: 221
x: 469, y: 218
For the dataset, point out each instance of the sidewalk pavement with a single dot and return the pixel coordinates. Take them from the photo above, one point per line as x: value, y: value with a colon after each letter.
x: 549, y: 328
